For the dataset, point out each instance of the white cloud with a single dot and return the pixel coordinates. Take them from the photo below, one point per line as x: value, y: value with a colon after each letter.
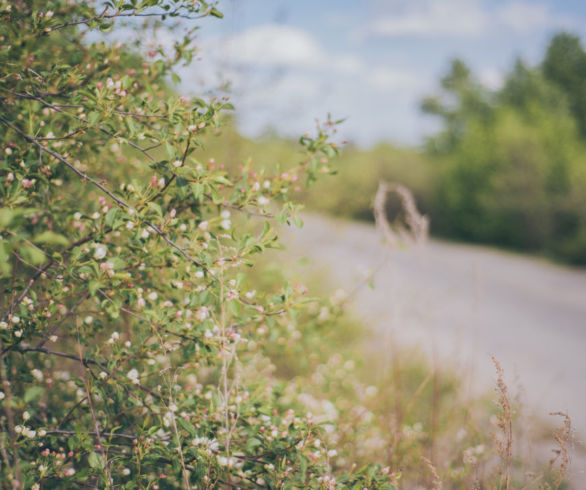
x: 347, y: 64
x: 491, y: 78
x: 463, y: 18
x: 385, y: 79
x: 282, y: 77
x: 429, y: 18
x: 272, y: 44
x: 292, y: 91
x: 525, y: 17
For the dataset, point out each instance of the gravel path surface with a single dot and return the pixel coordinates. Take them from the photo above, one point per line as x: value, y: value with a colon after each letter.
x: 463, y: 304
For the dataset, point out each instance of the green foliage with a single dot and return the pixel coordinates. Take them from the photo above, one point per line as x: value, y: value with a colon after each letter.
x: 507, y: 167
x: 565, y: 66
x: 132, y: 350
x: 511, y: 165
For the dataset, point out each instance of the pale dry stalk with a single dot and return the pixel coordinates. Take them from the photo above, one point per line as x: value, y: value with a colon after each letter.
x: 505, y: 424
x: 417, y: 225
x: 562, y: 436
x: 437, y: 481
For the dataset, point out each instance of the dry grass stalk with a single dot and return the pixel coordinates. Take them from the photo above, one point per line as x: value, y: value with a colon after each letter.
x: 437, y: 482
x: 505, y: 424
x: 417, y: 225
x: 562, y: 436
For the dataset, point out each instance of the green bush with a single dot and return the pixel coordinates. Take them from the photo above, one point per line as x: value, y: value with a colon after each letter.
x: 131, y: 352
x: 510, y: 163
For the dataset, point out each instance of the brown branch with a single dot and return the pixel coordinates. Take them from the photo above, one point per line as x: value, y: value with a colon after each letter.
x: 105, y: 434
x: 85, y: 360
x: 65, y: 137
x: 102, y: 16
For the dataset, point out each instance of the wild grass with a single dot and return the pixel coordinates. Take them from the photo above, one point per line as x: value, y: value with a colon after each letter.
x: 389, y: 403
x: 381, y: 401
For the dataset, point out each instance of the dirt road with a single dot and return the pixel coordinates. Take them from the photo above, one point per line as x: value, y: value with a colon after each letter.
x: 465, y: 303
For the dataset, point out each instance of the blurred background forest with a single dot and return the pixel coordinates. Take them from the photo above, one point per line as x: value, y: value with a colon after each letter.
x: 507, y: 167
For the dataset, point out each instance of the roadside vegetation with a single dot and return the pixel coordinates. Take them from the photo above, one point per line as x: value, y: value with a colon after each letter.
x: 143, y: 342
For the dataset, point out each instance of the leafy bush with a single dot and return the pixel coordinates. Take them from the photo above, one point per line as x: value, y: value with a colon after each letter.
x: 510, y: 163
x: 131, y: 350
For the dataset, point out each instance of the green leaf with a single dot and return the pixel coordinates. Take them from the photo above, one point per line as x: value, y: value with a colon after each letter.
x: 6, y: 216
x: 96, y: 460
x: 51, y: 238
x: 197, y: 189
x: 188, y: 426
x: 5, y: 265
x: 297, y: 221
x: 110, y: 217
x: 156, y: 208
x: 252, y: 443
x: 32, y: 255
x: 33, y: 393
x: 170, y: 150
x: 216, y: 13
x: 93, y: 117
x: 220, y: 179
x: 94, y: 286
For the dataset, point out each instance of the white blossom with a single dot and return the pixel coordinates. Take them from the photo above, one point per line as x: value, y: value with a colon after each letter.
x: 133, y: 376
x: 209, y: 445
x: 202, y: 314
x: 100, y: 252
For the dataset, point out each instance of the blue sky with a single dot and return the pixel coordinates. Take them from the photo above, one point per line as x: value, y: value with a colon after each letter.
x: 369, y: 61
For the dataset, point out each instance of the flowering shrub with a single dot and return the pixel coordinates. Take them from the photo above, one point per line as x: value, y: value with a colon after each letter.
x: 133, y: 351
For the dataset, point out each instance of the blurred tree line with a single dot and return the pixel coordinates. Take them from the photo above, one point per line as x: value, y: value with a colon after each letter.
x: 511, y: 163
x: 507, y: 168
